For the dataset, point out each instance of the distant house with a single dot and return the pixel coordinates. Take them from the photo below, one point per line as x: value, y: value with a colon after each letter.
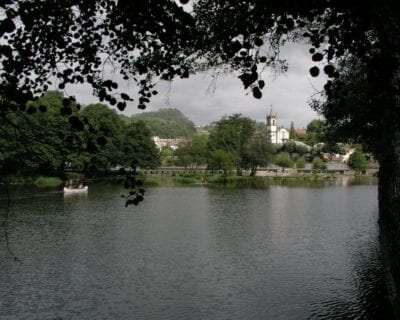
x: 300, y: 132
x: 346, y: 157
x: 277, y: 134
x: 170, y: 143
x: 330, y: 156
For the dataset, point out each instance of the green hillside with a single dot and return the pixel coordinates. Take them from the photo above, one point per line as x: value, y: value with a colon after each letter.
x: 167, y: 123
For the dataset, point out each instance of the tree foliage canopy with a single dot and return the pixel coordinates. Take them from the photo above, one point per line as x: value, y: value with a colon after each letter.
x: 46, y: 43
x: 45, y: 142
x: 233, y: 134
x: 358, y: 161
x: 138, y: 148
x: 158, y: 40
x: 259, y: 152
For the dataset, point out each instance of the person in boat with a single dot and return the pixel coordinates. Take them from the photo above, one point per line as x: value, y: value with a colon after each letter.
x: 80, y: 186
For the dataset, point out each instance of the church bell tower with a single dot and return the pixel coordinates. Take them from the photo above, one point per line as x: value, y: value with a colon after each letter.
x: 272, y: 126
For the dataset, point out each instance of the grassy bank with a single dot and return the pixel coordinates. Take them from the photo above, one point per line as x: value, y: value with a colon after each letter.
x: 39, y: 181
x: 43, y: 182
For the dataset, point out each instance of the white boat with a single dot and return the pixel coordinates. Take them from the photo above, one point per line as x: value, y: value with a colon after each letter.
x: 75, y: 190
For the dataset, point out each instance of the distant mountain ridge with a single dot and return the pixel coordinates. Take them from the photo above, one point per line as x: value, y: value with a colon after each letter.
x: 167, y: 123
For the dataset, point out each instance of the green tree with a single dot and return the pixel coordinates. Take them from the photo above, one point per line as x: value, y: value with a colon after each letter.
x: 294, y: 149
x: 199, y: 149
x: 39, y: 139
x: 260, y: 152
x: 233, y: 134
x: 289, y: 147
x: 183, y: 156
x: 167, y: 156
x: 104, y: 137
x: 316, y: 131
x: 138, y: 148
x: 283, y: 160
x: 222, y: 160
x: 292, y: 131
x: 358, y: 162
x: 194, y: 151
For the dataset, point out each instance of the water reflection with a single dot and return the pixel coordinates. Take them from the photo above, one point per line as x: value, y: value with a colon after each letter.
x: 299, y: 182
x: 75, y: 196
x: 371, y: 286
x: 371, y: 299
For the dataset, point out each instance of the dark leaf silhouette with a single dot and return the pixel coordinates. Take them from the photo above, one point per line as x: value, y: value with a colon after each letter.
x: 257, y: 93
x: 329, y: 70
x: 125, y: 96
x: 76, y: 123
x: 31, y: 110
x: 314, y: 71
x: 317, y: 56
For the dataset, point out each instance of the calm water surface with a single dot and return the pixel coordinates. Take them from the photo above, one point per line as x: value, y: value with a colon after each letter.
x: 194, y: 253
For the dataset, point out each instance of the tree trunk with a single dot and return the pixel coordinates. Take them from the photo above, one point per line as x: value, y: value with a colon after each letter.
x: 389, y: 222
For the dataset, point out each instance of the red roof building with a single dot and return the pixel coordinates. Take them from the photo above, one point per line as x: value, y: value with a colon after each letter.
x: 300, y: 132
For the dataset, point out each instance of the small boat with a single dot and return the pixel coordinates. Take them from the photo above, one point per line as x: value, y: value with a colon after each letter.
x: 75, y: 190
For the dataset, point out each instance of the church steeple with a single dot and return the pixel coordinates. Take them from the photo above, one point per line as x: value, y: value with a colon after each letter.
x: 271, y: 118
x: 275, y: 133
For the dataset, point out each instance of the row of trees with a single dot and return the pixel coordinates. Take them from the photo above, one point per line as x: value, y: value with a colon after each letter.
x: 231, y: 144
x: 46, y: 139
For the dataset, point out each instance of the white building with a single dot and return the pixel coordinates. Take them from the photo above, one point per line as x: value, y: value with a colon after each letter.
x: 277, y: 134
x: 170, y: 143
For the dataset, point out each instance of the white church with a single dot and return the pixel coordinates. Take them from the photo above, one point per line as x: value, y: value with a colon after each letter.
x: 277, y: 134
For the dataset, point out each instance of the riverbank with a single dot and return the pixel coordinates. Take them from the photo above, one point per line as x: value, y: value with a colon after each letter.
x: 193, y: 178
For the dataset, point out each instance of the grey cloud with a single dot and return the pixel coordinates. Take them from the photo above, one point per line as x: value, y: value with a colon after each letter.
x: 288, y: 94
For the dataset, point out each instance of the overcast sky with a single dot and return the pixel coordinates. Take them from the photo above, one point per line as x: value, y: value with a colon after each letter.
x: 288, y: 94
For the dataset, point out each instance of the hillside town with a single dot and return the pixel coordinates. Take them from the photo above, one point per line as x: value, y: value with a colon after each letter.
x: 304, y: 148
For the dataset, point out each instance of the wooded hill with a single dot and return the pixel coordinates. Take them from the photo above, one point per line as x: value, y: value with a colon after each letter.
x: 167, y: 123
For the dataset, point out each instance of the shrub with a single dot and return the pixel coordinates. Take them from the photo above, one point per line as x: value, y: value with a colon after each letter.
x: 283, y: 160
x: 318, y: 164
x: 300, y: 163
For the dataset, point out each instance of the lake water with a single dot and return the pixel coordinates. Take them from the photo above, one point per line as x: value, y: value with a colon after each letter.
x: 275, y: 252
